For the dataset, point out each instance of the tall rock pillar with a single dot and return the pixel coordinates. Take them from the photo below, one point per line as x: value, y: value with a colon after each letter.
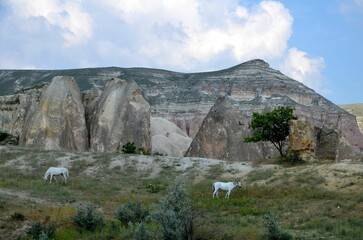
x: 58, y: 120
x: 122, y: 115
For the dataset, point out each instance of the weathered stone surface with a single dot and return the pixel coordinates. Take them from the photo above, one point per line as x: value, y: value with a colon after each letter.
x: 122, y: 115
x: 302, y: 138
x: 186, y: 98
x: 14, y: 109
x: 167, y: 138
x: 221, y: 136
x: 57, y: 121
x: 357, y: 111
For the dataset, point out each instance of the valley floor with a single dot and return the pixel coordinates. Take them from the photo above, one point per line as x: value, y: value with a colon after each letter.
x: 312, y: 201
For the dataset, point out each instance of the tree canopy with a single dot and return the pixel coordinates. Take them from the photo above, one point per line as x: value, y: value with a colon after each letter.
x: 271, y: 126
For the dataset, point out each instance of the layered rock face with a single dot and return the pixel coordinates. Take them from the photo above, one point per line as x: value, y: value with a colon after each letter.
x: 356, y: 110
x: 58, y: 120
x: 122, y: 115
x: 185, y: 99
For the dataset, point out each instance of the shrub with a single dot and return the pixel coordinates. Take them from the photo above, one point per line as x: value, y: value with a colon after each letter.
x: 131, y: 211
x: 293, y: 157
x: 129, y: 147
x: 87, y: 219
x: 42, y: 231
x: 141, y: 232
x: 272, y: 230
x: 174, y: 213
x: 18, y: 216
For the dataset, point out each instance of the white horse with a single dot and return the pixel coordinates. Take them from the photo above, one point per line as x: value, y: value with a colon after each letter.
x: 55, y: 171
x: 226, y: 186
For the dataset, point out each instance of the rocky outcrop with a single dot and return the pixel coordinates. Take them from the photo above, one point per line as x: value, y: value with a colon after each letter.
x: 122, y: 115
x: 185, y: 99
x: 357, y: 111
x: 317, y: 143
x: 58, y: 120
x: 167, y: 138
x: 302, y: 138
x: 221, y: 136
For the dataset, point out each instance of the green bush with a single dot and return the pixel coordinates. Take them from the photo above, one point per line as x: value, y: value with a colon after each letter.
x: 293, y: 157
x: 42, y: 231
x: 87, y: 219
x: 174, y: 213
x: 129, y: 147
x: 131, y: 211
x: 272, y: 230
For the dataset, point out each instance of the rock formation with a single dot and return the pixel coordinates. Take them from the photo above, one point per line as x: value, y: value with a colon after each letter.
x: 184, y: 99
x: 122, y: 115
x: 302, y: 138
x: 356, y: 110
x: 222, y: 133
x: 167, y: 138
x: 57, y: 121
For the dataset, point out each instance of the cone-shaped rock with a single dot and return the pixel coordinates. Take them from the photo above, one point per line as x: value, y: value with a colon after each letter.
x: 221, y: 136
x: 58, y: 121
x: 122, y: 115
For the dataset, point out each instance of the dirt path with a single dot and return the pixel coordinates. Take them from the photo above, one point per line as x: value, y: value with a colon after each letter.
x: 22, y: 195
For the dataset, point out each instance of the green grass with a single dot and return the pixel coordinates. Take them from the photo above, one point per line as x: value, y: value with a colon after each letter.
x: 303, y: 207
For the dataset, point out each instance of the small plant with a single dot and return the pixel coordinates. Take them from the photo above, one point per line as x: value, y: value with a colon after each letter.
x: 42, y: 231
x: 129, y: 147
x: 293, y: 157
x: 87, y: 219
x: 144, y: 151
x: 131, y: 211
x: 17, y: 217
x: 272, y: 230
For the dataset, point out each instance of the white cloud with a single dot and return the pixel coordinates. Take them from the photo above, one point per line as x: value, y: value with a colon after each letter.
x: 69, y: 16
x: 304, y: 68
x: 181, y: 35
x: 186, y: 33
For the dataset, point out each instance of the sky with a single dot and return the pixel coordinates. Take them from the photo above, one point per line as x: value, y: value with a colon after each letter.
x: 316, y: 42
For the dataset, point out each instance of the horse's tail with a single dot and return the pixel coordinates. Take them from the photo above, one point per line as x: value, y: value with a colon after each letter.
x: 67, y: 173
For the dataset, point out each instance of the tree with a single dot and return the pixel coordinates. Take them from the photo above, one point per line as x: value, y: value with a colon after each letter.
x: 271, y: 126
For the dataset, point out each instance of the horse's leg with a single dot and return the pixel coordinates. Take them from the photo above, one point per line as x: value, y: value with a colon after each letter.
x: 227, y: 194
x: 50, y: 180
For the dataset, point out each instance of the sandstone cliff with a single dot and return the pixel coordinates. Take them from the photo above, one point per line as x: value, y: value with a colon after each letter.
x: 221, y: 136
x: 356, y: 110
x: 122, y: 115
x: 185, y: 99
x: 167, y: 138
x: 57, y: 121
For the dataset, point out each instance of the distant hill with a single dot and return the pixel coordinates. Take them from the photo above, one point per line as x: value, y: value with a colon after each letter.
x: 356, y: 110
x: 183, y: 99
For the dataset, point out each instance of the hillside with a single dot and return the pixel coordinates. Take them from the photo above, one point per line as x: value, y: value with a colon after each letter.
x: 315, y: 201
x: 356, y: 110
x: 35, y: 104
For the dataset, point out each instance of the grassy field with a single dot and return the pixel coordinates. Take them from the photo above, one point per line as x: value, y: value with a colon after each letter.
x: 311, y: 201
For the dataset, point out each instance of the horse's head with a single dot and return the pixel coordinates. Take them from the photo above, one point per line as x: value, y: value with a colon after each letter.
x: 238, y: 183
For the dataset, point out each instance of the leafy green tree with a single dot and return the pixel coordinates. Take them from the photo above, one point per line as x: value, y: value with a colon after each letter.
x: 272, y: 126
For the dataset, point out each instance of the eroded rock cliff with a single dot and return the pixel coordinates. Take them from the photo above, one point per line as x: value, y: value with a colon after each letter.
x: 185, y: 99
x: 58, y: 120
x: 122, y: 115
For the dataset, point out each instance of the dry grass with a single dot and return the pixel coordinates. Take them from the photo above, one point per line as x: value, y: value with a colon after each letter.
x: 315, y: 201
